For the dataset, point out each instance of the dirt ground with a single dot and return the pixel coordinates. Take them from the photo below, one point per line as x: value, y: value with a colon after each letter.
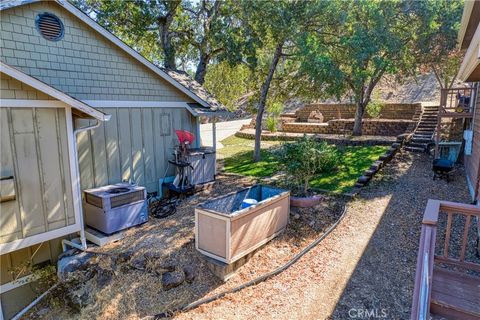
x: 367, y: 262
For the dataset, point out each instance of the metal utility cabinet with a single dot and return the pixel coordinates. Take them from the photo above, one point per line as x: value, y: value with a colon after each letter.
x: 203, y: 163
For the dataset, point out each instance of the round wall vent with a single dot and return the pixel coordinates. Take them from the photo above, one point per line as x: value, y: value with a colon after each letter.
x: 50, y: 26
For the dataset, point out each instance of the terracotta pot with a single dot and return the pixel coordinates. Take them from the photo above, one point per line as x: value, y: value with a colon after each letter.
x: 305, y: 202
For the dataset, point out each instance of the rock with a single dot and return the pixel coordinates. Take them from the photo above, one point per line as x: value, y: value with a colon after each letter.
x: 296, y: 216
x: 152, y: 256
x: 369, y: 172
x: 81, y: 296
x: 364, y: 179
x: 104, y: 277
x: 42, y: 312
x: 68, y: 253
x: 165, y: 267
x: 69, y: 264
x: 138, y: 263
x: 124, y: 256
x: 315, y: 117
x: 311, y: 223
x: 190, y: 273
x: 396, y: 145
x: 172, y: 279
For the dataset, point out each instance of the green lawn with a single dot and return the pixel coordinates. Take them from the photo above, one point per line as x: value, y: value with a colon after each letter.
x: 238, y: 152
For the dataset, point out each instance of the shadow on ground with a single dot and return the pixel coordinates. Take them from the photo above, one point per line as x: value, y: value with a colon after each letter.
x: 383, y: 279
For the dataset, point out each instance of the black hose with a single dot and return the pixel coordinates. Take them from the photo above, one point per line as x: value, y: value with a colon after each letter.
x: 255, y: 281
x: 162, y: 208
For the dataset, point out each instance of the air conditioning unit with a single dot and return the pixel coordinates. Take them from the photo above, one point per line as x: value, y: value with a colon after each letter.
x: 115, y: 207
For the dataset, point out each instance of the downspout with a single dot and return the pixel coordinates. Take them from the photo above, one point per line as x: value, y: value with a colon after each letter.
x: 83, y: 240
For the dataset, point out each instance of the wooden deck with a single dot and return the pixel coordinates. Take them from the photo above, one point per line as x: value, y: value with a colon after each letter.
x: 455, y: 295
x: 438, y: 291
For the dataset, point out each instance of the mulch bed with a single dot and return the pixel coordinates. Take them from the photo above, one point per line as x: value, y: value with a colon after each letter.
x: 135, y: 264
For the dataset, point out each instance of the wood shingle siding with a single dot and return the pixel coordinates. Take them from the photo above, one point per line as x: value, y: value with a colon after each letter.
x: 34, y: 151
x: 134, y: 145
x: 11, y: 88
x: 83, y: 63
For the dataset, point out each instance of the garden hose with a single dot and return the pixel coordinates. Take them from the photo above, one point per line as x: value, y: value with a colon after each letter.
x: 255, y: 281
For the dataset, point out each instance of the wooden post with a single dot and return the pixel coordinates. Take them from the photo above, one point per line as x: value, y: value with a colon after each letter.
x: 437, y: 136
x: 198, y: 142
x: 214, y: 137
x: 214, y: 133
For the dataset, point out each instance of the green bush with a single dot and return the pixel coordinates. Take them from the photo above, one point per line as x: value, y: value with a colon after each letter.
x: 272, y: 123
x: 306, y: 158
x: 374, y: 109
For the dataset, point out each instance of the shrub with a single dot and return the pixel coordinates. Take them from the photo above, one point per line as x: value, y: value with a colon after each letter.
x: 272, y: 123
x: 306, y: 158
x: 374, y: 109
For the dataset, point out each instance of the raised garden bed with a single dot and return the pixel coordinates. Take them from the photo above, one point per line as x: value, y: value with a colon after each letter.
x: 226, y: 231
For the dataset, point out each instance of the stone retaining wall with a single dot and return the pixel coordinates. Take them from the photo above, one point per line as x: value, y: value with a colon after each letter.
x: 373, y: 127
x: 347, y: 111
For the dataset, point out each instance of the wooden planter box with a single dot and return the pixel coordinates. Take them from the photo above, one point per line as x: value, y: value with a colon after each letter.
x: 226, y: 232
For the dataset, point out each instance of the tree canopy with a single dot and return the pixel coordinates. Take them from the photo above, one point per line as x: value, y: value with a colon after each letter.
x: 275, y: 50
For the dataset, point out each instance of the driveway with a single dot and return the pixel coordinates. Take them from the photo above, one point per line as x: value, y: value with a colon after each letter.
x: 224, y: 130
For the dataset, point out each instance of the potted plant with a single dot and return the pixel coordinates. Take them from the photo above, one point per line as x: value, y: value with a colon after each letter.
x: 302, y: 161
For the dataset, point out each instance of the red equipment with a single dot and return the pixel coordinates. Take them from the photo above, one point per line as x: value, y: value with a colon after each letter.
x: 185, y: 137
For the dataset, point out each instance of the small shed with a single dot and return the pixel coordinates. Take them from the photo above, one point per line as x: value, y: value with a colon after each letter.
x: 62, y: 77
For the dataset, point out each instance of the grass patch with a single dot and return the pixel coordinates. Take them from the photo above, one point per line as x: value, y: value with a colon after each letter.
x: 238, y: 153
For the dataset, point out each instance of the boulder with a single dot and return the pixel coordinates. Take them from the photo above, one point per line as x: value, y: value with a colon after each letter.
x: 172, y: 279
x: 69, y: 264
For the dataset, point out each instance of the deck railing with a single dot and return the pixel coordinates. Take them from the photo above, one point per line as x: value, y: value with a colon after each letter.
x: 426, y: 252
x: 455, y: 102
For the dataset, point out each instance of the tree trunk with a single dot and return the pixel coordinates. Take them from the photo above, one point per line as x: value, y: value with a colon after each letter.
x: 357, y: 126
x: 168, y: 49
x: 201, y: 68
x: 164, y: 24
x: 305, y: 186
x: 263, y: 100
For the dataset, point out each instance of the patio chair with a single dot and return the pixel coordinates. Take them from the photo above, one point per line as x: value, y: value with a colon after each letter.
x: 444, y: 164
x: 463, y: 103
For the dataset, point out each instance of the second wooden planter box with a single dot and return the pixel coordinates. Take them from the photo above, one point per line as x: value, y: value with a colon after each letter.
x: 226, y: 232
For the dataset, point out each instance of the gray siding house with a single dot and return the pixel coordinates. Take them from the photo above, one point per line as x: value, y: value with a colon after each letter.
x: 78, y: 109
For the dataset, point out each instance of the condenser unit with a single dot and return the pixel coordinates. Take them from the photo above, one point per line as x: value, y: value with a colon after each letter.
x: 115, y: 207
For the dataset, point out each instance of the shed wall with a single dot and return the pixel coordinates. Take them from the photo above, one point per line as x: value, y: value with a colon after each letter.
x: 34, y: 150
x: 134, y: 145
x: 83, y: 63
